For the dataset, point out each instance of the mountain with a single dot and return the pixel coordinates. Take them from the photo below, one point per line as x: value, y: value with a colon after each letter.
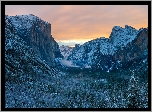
x: 31, y: 83
x: 26, y: 74
x: 123, y: 46
x: 65, y: 51
x: 135, y: 54
x: 37, y: 34
x: 122, y: 36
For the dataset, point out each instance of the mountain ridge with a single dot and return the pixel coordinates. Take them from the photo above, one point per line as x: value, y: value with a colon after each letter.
x: 37, y: 34
x: 106, y: 48
x: 112, y: 81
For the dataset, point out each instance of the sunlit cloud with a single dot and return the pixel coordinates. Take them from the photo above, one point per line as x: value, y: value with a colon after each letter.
x: 80, y: 23
x: 72, y: 42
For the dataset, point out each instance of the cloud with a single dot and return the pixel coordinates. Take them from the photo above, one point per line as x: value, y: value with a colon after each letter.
x: 72, y: 42
x: 85, y: 22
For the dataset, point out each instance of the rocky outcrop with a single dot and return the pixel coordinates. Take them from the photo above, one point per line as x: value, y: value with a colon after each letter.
x: 135, y: 54
x: 119, y: 36
x: 27, y: 77
x: 37, y: 34
x: 134, y: 49
x: 20, y: 59
x: 124, y: 46
x: 65, y: 51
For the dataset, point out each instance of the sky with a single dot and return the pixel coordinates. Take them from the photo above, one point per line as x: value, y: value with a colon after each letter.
x: 76, y: 24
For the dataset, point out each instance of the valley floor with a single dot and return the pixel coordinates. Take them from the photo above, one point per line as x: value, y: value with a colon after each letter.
x: 73, y: 87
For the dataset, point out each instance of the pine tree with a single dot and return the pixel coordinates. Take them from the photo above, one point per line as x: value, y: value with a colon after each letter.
x: 133, y: 96
x: 96, y: 58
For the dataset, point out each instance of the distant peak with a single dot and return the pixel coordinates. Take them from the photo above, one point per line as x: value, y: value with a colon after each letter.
x: 103, y: 38
x: 31, y: 14
x: 117, y: 28
x: 126, y: 26
x: 28, y: 17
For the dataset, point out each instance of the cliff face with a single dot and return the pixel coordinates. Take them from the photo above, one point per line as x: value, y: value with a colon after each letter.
x: 65, y: 51
x: 20, y: 59
x: 27, y: 77
x: 134, y: 49
x: 125, y: 45
x: 37, y: 34
x: 134, y: 55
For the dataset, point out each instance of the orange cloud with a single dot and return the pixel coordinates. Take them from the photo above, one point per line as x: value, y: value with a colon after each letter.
x: 85, y: 22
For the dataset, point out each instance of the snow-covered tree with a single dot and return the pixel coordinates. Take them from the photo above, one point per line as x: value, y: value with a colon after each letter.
x: 96, y: 58
x: 133, y: 96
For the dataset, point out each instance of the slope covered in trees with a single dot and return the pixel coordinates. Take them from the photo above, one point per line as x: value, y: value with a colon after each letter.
x: 31, y: 83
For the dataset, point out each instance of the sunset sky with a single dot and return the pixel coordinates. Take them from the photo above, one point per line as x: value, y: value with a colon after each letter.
x: 80, y: 23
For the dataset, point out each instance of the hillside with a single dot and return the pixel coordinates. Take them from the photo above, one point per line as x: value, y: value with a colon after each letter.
x: 102, y: 73
x: 124, y: 45
x: 37, y: 34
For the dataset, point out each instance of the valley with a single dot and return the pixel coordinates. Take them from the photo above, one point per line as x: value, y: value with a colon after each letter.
x: 101, y: 73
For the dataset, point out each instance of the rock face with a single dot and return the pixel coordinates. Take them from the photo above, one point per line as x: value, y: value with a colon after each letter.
x: 135, y: 53
x: 121, y: 36
x: 124, y: 45
x: 27, y: 76
x: 133, y: 49
x: 37, y: 34
x: 65, y: 51
x: 20, y: 59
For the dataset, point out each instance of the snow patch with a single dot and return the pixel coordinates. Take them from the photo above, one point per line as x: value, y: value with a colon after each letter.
x: 65, y: 51
x: 87, y: 66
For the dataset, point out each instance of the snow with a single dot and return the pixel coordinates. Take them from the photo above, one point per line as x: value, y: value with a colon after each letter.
x: 67, y: 63
x: 119, y: 37
x: 65, y: 51
x: 9, y: 44
x: 108, y: 70
x: 24, y: 21
x: 103, y: 80
x: 144, y: 60
x: 45, y: 90
x: 87, y: 66
x: 118, y: 61
x: 122, y: 36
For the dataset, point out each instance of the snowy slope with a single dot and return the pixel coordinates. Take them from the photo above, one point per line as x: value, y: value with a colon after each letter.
x: 19, y: 55
x: 24, y: 21
x: 119, y: 38
x: 65, y: 51
x: 37, y: 34
x: 26, y: 74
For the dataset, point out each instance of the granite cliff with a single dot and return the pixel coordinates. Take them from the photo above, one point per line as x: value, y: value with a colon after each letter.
x: 37, y: 34
x: 124, y: 45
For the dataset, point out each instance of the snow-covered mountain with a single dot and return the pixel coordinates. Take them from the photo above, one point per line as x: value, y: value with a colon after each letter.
x: 31, y: 83
x: 101, y: 52
x: 135, y: 52
x: 65, y: 51
x: 26, y: 73
x: 122, y: 36
x: 37, y: 34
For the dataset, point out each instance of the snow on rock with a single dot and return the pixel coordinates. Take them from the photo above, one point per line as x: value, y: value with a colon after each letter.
x: 119, y: 38
x: 27, y: 76
x: 37, y: 34
x: 65, y: 51
x: 87, y: 66
x: 24, y: 21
